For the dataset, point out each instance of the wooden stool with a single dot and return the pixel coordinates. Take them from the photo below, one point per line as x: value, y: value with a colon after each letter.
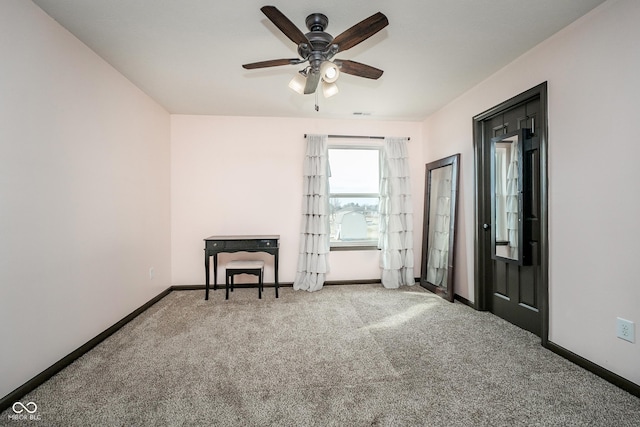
x: 253, y: 267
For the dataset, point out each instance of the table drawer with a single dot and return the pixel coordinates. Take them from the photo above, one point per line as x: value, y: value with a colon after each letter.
x: 215, y: 244
x: 267, y: 243
x: 240, y: 244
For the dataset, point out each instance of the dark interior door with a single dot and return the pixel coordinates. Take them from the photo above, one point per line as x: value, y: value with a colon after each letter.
x: 514, y: 287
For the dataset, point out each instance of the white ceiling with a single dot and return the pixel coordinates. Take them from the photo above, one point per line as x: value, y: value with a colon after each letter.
x: 188, y: 54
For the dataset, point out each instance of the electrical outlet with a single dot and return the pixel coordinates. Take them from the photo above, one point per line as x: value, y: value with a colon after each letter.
x: 152, y: 273
x: 625, y: 329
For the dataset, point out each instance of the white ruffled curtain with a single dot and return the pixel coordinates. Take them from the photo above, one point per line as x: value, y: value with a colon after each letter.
x: 501, y: 194
x: 512, y: 203
x: 396, y: 216
x: 313, y: 258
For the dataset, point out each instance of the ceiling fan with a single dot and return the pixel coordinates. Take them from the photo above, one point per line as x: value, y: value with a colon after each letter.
x: 318, y: 48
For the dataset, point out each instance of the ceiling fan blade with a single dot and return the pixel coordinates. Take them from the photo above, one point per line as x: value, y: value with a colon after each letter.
x: 361, y: 31
x: 357, y: 69
x: 312, y: 83
x: 271, y: 63
x: 284, y: 24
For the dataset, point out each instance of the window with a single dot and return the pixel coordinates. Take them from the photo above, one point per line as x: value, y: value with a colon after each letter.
x: 354, y: 195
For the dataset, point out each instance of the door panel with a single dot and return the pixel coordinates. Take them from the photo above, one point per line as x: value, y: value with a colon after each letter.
x: 515, y: 118
x: 531, y: 200
x: 501, y: 286
x: 527, y: 290
x: 515, y: 288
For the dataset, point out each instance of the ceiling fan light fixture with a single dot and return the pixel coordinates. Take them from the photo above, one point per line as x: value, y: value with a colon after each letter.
x: 298, y: 82
x: 329, y: 89
x: 329, y: 72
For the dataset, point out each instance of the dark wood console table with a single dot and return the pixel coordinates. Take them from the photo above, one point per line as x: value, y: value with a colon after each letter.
x: 215, y: 244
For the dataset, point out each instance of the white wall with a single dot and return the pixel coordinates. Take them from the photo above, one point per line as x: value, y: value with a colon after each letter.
x: 592, y: 69
x: 243, y: 175
x: 84, y: 194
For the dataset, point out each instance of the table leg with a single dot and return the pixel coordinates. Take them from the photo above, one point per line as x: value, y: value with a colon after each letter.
x: 215, y: 271
x: 206, y: 275
x: 275, y: 266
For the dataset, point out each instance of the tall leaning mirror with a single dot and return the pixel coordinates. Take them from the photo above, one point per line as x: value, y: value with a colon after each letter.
x: 438, y: 242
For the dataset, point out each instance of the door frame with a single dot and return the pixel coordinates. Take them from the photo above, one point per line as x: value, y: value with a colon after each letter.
x: 482, y: 211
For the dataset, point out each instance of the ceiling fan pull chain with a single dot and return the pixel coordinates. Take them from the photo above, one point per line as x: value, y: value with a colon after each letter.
x: 317, y: 108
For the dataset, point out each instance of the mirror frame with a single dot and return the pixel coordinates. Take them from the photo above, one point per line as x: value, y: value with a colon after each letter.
x: 446, y: 292
x: 522, y: 136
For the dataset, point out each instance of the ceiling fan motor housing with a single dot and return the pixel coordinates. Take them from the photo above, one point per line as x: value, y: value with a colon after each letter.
x: 321, y: 49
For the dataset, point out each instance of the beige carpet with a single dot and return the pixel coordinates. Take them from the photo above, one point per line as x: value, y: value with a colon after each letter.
x: 357, y: 355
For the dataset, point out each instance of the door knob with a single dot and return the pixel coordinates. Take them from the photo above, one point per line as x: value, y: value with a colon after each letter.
x: 486, y: 226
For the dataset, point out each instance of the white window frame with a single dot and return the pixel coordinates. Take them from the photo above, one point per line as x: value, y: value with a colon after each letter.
x: 367, y: 244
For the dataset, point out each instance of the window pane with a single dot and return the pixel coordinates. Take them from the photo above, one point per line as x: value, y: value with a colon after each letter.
x: 354, y: 219
x: 354, y: 170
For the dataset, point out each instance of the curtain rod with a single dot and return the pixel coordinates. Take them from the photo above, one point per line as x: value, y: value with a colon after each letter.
x: 356, y: 136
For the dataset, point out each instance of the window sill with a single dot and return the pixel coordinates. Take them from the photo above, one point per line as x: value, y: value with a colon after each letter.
x: 353, y: 247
